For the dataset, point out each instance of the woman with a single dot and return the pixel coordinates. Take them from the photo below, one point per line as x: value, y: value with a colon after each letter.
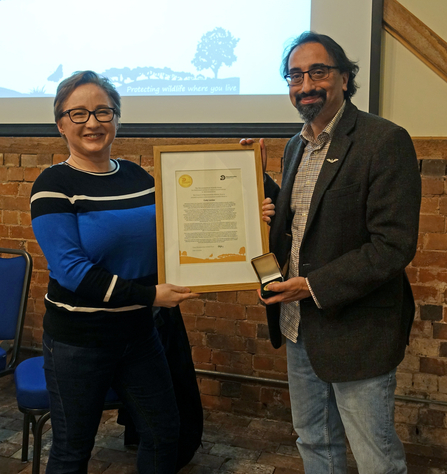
x: 94, y: 219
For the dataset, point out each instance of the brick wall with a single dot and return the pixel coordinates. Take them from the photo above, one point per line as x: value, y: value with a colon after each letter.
x: 423, y: 372
x: 228, y: 331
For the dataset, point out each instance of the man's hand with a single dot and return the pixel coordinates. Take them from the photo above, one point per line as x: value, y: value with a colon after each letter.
x: 168, y: 295
x: 294, y: 289
x: 250, y: 141
x: 268, y: 210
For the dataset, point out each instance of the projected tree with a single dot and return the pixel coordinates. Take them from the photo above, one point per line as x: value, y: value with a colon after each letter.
x: 214, y: 49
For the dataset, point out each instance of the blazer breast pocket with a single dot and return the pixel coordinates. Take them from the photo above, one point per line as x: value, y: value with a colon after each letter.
x: 344, y: 217
x: 346, y: 202
x: 344, y: 192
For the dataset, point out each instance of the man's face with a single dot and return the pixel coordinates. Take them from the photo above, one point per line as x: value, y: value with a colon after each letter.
x: 316, y: 100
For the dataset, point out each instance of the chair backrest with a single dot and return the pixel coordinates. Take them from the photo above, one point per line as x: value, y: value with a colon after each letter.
x: 15, y: 276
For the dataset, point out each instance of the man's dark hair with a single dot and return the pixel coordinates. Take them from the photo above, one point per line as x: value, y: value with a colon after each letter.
x: 334, y: 50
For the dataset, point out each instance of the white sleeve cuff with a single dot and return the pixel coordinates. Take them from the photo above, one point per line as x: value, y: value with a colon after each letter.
x: 313, y: 294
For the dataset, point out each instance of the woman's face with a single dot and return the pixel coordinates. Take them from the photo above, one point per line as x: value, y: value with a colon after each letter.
x: 93, y: 139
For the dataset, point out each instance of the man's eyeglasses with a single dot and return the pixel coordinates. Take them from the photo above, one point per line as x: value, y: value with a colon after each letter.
x: 103, y: 114
x: 316, y: 74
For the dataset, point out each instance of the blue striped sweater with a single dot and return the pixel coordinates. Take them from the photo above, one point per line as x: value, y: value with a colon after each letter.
x: 97, y: 232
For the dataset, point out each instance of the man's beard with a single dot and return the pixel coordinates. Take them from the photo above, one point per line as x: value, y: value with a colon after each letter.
x: 309, y: 112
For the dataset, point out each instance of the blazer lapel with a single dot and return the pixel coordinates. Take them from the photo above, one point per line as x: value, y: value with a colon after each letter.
x: 335, y: 157
x: 282, y: 221
x: 289, y: 178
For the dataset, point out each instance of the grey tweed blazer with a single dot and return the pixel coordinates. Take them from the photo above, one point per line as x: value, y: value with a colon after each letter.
x: 360, y: 235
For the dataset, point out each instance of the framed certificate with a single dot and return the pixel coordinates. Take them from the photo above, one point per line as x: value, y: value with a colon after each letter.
x: 208, y: 210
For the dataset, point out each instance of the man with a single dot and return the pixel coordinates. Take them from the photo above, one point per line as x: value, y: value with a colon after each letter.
x: 345, y: 225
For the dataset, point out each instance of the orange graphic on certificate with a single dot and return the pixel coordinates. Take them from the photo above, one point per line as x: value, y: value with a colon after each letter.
x: 240, y: 257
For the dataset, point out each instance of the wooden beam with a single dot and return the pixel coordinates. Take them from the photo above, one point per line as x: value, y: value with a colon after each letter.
x: 416, y: 36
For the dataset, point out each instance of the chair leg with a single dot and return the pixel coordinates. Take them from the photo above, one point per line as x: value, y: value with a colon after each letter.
x: 25, y: 436
x: 38, y: 442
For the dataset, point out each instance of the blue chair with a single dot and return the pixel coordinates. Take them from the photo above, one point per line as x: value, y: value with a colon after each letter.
x: 33, y: 401
x: 15, y: 276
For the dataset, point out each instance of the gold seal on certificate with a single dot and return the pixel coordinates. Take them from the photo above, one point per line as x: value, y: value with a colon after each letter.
x: 185, y: 181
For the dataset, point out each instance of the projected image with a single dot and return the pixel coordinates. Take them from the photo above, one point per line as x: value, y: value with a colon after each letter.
x: 148, y: 48
x: 215, y: 49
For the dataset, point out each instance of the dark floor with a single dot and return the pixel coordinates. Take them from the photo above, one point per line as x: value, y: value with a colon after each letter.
x: 231, y: 444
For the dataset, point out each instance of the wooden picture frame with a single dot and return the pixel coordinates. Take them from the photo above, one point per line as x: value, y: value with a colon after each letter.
x: 208, y: 214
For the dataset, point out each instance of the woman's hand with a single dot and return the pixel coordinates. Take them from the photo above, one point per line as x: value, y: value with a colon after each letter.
x: 168, y: 295
x: 250, y: 141
x: 268, y: 210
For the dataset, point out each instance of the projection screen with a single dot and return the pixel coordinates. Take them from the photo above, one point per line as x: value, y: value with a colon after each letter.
x: 182, y: 68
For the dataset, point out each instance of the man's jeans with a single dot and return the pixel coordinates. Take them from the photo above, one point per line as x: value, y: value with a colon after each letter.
x: 78, y: 379
x: 323, y: 412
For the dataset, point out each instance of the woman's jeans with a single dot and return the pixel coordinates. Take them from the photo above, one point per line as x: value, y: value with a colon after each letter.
x: 78, y: 379
x: 324, y: 412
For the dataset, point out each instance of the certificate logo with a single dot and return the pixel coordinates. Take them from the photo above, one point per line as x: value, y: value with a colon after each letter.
x: 185, y: 181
